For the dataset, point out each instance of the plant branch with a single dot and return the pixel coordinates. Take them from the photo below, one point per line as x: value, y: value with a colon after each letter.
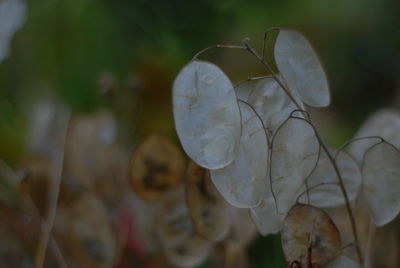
x: 322, y: 144
x: 56, y: 176
x: 269, y: 69
x: 195, y: 57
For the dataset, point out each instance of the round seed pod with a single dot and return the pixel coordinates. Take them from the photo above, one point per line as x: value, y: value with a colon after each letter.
x: 208, y: 210
x: 309, y: 237
x: 156, y: 166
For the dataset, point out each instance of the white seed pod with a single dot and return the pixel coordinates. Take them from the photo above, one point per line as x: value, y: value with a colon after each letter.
x: 295, y: 151
x: 343, y: 261
x: 243, y: 182
x: 381, y: 173
x: 309, y: 234
x: 206, y: 114
x: 299, y: 65
x: 12, y: 17
x: 272, y: 103
x: 266, y: 218
x: 244, y: 90
x: 385, y: 123
x: 323, y: 184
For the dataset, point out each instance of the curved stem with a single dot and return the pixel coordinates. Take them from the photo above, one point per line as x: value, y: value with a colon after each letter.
x: 216, y: 46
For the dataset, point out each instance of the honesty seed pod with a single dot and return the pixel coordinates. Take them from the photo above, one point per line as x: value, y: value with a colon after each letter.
x: 309, y: 237
x: 206, y: 114
x: 208, y: 210
x: 155, y: 166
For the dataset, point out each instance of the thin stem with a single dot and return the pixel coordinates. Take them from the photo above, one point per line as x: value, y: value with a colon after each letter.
x: 346, y: 197
x: 309, y: 189
x: 251, y: 78
x: 265, y: 39
x: 195, y: 57
x: 56, y: 175
x: 368, y: 248
x: 347, y: 143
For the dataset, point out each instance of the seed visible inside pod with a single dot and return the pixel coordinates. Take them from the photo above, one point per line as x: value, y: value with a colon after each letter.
x: 309, y: 237
x: 156, y: 165
x: 207, y: 208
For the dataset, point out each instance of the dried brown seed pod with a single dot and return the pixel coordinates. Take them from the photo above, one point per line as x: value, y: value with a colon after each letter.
x: 156, y: 166
x: 180, y: 243
x: 85, y: 234
x: 309, y: 237
x: 208, y: 210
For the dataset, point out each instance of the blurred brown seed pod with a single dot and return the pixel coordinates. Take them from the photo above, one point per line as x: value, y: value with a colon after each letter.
x: 208, y: 210
x: 156, y: 166
x: 181, y: 244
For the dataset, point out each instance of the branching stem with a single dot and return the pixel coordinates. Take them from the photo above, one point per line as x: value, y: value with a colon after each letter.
x: 268, y: 68
x: 324, y: 147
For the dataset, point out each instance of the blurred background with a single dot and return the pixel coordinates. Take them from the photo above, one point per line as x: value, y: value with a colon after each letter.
x: 111, y: 65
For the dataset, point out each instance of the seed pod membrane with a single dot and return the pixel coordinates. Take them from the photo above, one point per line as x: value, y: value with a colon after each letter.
x: 156, y: 166
x: 272, y: 103
x: 266, y: 218
x: 384, y: 123
x: 243, y: 182
x: 207, y: 208
x: 343, y: 261
x: 323, y: 184
x: 381, y: 173
x: 309, y: 234
x: 206, y: 114
x: 295, y: 151
x: 299, y: 65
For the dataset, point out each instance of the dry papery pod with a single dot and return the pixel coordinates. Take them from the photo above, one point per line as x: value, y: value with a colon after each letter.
x: 309, y: 237
x: 340, y: 217
x: 209, y: 212
x: 84, y: 233
x: 232, y: 251
x: 181, y: 244
x: 384, y: 123
x: 299, y: 64
x: 206, y: 114
x: 243, y: 231
x: 294, y: 155
x: 322, y: 187
x: 272, y: 103
x: 243, y: 181
x: 156, y: 165
x: 34, y: 172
